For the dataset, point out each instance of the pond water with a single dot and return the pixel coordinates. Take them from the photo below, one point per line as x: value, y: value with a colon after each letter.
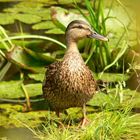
x: 16, y: 134
x: 32, y: 18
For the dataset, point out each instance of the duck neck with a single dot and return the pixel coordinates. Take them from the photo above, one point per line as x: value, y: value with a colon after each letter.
x: 71, y: 43
x: 72, y: 47
x: 72, y: 52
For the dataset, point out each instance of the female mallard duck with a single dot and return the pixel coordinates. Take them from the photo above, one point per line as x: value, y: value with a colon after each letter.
x: 69, y: 83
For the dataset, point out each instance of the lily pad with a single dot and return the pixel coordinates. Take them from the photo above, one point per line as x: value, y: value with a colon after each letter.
x: 68, y: 1
x: 31, y: 44
x: 28, y: 18
x: 119, y: 19
x: 13, y: 89
x: 114, y: 77
x: 112, y: 99
x: 34, y: 89
x: 43, y: 13
x: 37, y: 77
x: 27, y: 8
x: 23, y: 60
x: 24, y: 7
x: 117, y: 24
x: 29, y: 4
x: 6, y: 19
x: 45, y: 57
x: 44, y: 25
x: 55, y: 31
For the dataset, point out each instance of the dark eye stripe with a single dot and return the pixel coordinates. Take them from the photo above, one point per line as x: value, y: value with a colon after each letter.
x: 80, y: 27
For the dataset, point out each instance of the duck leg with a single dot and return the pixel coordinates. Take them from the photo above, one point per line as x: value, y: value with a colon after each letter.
x: 57, y: 112
x: 84, y: 119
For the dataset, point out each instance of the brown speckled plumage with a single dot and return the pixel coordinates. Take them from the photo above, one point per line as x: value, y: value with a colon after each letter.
x: 69, y: 83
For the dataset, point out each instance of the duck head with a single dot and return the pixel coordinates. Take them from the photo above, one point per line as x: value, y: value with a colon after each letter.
x: 79, y: 29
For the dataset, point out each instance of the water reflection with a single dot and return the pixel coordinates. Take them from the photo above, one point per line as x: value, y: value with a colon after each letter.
x: 16, y: 134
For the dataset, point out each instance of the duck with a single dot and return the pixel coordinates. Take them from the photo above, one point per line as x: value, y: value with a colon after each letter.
x: 69, y: 82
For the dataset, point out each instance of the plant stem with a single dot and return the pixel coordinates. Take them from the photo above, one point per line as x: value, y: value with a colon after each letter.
x: 34, y: 36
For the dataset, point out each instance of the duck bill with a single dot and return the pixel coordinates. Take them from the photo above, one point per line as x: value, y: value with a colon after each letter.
x: 98, y: 36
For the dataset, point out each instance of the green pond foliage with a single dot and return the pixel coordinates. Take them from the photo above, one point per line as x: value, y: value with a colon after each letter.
x: 32, y: 36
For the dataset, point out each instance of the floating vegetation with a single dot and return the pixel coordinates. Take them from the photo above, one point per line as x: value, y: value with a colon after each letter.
x: 32, y: 37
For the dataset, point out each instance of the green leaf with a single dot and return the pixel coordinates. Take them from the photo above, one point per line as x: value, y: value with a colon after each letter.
x: 43, y: 13
x: 29, y: 4
x: 114, y: 77
x: 31, y: 44
x: 24, y: 7
x: 46, y: 57
x: 4, y: 69
x: 121, y: 15
x: 23, y: 60
x: 12, y: 89
x: 68, y: 1
x: 30, y: 8
x: 36, y: 3
x: 120, y: 26
x: 28, y: 18
x: 37, y: 77
x: 34, y: 89
x: 44, y: 25
x: 55, y: 31
x: 119, y: 55
x: 6, y: 19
